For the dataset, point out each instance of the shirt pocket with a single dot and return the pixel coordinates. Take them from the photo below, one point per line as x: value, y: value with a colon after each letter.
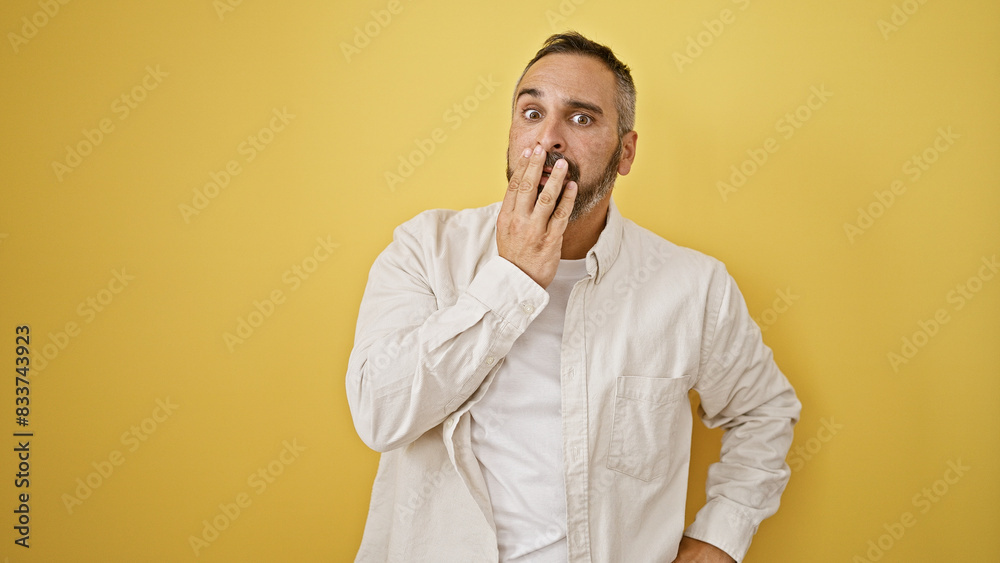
x: 646, y: 419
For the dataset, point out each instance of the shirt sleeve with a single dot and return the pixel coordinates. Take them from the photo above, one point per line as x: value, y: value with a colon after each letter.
x: 413, y: 362
x: 743, y: 391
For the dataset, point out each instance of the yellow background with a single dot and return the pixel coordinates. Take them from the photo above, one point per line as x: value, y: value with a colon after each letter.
x: 161, y: 337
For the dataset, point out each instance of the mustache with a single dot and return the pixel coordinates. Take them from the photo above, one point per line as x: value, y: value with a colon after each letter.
x: 573, y: 170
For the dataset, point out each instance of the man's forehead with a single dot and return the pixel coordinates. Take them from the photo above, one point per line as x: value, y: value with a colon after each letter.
x: 569, y: 76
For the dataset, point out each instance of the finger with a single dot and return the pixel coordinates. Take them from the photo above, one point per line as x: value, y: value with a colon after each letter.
x: 547, y: 199
x: 560, y: 217
x: 520, y: 164
x: 527, y: 191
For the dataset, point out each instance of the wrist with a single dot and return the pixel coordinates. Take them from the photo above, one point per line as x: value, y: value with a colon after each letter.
x: 691, y: 550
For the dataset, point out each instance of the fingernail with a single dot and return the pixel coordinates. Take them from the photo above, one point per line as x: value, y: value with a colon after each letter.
x: 526, y: 153
x: 561, y: 163
x: 538, y: 149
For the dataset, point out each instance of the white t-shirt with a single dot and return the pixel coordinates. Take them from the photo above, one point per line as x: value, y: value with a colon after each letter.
x: 517, y: 434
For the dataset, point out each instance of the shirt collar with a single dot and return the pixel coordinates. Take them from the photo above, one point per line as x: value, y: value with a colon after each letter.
x: 605, y: 251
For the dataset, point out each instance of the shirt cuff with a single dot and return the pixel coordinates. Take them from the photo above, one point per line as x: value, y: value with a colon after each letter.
x: 508, y: 292
x: 725, y: 525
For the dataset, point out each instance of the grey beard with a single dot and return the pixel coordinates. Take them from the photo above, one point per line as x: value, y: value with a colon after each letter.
x: 588, y: 196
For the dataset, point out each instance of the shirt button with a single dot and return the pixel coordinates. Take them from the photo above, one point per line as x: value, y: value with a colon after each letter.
x: 527, y: 307
x: 490, y: 360
x: 449, y: 423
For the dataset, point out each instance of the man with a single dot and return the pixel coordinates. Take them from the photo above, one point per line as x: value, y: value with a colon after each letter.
x: 525, y: 367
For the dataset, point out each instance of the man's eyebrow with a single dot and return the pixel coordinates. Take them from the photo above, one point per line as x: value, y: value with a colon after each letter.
x: 533, y: 92
x: 573, y: 103
x: 585, y: 105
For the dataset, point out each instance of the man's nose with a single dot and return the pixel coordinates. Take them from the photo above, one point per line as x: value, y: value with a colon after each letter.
x: 552, y: 136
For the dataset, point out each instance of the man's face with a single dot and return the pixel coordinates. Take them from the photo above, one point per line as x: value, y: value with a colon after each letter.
x: 566, y: 103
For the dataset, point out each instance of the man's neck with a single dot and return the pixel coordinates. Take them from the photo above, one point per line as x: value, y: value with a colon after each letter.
x: 581, y: 235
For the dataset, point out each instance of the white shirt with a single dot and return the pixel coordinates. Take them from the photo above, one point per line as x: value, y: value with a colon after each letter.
x: 649, y: 323
x: 517, y: 434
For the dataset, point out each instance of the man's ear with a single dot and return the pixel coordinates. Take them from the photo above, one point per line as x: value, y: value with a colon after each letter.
x: 628, y: 152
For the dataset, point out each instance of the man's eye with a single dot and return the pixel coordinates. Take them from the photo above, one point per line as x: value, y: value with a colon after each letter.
x: 581, y: 119
x: 532, y: 114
